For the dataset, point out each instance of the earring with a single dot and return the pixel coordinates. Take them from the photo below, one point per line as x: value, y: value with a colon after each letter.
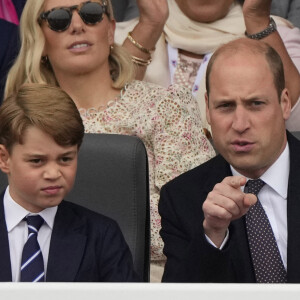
x: 44, y: 60
x: 111, y: 48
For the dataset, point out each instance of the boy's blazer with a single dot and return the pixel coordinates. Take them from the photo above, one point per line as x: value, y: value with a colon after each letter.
x: 85, y: 247
x: 190, y: 258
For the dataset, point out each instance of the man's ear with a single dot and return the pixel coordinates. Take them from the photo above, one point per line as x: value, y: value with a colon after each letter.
x: 207, y: 108
x: 4, y: 159
x: 285, y: 103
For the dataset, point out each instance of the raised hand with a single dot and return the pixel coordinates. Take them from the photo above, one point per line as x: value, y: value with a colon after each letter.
x: 225, y: 203
x: 154, y: 12
x: 257, y: 18
x: 153, y: 16
x: 256, y: 15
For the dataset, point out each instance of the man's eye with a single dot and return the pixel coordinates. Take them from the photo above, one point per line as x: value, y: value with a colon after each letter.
x: 257, y: 103
x: 225, y: 105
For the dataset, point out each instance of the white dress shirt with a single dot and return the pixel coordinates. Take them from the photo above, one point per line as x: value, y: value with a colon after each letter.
x: 18, y: 232
x: 273, y: 198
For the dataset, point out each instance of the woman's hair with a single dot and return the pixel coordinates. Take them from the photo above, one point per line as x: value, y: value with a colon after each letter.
x: 31, y: 67
x: 45, y: 107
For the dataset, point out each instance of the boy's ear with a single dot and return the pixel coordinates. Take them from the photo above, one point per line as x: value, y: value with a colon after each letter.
x: 4, y: 159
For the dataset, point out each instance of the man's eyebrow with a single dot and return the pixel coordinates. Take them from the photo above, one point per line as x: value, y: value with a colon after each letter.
x: 255, y: 98
x: 33, y: 155
x: 221, y: 101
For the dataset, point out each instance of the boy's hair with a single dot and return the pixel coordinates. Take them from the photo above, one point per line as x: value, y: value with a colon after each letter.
x: 45, y: 107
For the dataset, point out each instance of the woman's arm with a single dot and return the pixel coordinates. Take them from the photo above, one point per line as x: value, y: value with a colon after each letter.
x: 153, y: 15
x: 257, y: 18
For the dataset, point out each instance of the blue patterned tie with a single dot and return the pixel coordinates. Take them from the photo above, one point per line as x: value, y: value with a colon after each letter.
x: 32, y: 265
x: 267, y: 262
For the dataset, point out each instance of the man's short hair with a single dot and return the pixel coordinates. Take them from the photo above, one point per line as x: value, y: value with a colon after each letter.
x: 45, y: 107
x: 246, y: 45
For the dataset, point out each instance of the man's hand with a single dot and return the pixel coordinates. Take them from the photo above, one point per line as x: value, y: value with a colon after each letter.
x: 225, y: 203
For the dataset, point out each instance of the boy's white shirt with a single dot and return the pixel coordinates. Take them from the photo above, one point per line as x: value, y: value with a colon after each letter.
x: 18, y: 232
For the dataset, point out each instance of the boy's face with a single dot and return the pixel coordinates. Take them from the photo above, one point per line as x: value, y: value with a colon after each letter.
x: 40, y: 172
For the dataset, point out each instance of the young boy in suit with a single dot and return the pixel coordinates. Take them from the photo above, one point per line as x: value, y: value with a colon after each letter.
x: 43, y: 237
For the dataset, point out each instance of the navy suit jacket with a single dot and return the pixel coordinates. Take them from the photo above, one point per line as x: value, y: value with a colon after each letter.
x: 190, y: 258
x: 84, y: 247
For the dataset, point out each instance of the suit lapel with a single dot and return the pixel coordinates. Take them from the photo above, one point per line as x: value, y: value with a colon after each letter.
x: 221, y: 169
x: 67, y: 246
x: 293, y: 212
x: 5, y: 266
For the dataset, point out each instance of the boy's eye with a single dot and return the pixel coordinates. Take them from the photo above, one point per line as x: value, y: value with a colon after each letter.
x: 66, y: 159
x: 35, y: 160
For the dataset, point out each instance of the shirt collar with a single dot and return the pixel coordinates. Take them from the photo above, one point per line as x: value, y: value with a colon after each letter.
x: 271, y: 177
x: 15, y: 213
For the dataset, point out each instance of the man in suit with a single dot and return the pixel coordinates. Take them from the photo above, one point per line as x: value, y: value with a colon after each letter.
x: 40, y: 134
x: 204, y: 211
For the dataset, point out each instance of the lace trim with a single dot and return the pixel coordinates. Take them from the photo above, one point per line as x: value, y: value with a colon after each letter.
x: 93, y: 111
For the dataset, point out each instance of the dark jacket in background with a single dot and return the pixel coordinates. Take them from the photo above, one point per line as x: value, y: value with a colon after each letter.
x: 9, y: 44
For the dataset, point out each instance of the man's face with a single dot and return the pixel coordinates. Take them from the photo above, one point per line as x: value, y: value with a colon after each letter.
x: 246, y: 117
x: 40, y: 172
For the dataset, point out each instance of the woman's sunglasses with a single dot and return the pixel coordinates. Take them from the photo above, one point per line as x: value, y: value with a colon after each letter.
x: 59, y: 18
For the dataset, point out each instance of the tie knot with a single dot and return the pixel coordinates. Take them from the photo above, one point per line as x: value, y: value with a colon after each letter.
x: 34, y: 223
x: 254, y: 186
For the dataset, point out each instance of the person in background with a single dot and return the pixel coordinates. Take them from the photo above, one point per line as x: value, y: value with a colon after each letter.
x: 183, y: 34
x: 124, y: 10
x: 218, y: 231
x: 289, y: 9
x: 10, y: 12
x: 81, y: 57
x: 40, y: 135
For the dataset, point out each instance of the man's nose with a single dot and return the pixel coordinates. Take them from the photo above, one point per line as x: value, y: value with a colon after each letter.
x: 240, y: 121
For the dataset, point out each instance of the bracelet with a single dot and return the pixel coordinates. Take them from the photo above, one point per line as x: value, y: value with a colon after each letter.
x: 138, y: 45
x: 140, y: 61
x: 260, y: 35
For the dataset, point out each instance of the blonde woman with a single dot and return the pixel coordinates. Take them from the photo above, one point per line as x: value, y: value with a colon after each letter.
x: 70, y: 43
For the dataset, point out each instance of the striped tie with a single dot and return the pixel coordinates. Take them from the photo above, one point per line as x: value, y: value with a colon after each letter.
x: 32, y: 265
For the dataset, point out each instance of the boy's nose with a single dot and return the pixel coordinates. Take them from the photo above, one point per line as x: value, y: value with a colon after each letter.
x: 52, y: 172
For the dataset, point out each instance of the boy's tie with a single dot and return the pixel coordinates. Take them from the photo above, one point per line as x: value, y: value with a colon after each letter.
x: 32, y: 265
x: 268, y: 266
